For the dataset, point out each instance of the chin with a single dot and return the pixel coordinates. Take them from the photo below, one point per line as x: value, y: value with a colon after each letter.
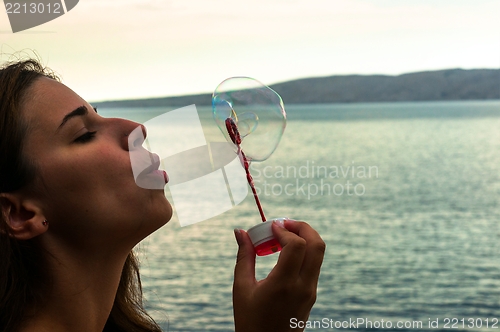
x: 163, y: 213
x: 155, y: 215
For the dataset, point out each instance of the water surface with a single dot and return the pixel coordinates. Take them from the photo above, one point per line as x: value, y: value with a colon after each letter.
x: 413, y: 237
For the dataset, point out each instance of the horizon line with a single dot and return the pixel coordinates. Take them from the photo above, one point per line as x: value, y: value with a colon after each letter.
x: 291, y: 80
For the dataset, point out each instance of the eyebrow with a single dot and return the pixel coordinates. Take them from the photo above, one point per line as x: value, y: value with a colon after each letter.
x: 80, y: 111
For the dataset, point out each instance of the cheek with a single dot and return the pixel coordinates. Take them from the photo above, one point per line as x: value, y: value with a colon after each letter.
x: 92, y: 192
x: 87, y: 175
x: 95, y: 190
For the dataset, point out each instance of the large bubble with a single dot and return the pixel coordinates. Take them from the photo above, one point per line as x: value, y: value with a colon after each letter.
x: 257, y: 111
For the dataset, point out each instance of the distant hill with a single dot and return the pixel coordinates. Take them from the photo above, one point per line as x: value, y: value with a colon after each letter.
x: 449, y: 84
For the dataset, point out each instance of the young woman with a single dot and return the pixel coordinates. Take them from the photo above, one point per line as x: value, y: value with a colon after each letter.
x: 72, y: 213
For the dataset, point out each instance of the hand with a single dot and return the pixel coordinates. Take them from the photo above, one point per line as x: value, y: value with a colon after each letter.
x: 289, y: 291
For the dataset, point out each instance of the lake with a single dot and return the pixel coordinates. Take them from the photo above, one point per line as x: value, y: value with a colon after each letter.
x: 406, y: 196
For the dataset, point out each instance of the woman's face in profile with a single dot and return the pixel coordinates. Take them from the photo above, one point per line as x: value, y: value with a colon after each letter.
x: 84, y: 181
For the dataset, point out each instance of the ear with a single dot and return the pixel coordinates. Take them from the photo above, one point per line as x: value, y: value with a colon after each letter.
x: 24, y: 217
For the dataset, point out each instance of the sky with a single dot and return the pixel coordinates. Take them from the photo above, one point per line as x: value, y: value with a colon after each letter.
x: 127, y: 49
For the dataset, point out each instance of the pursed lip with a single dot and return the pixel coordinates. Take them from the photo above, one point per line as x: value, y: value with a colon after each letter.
x: 154, y: 168
x: 155, y: 164
x: 145, y: 169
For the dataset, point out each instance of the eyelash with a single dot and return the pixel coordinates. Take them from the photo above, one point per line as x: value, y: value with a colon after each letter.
x: 87, y: 137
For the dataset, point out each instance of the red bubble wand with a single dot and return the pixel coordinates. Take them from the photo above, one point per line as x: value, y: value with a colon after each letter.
x: 234, y: 133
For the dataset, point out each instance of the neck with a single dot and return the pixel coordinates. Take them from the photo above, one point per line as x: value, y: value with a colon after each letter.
x: 82, y: 292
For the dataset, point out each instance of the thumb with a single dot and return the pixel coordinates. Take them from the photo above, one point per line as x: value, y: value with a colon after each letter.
x: 244, y: 271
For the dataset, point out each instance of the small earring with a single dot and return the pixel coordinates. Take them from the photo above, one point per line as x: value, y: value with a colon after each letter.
x: 45, y: 222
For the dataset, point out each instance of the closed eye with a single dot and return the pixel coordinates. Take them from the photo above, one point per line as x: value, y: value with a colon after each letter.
x: 87, y: 137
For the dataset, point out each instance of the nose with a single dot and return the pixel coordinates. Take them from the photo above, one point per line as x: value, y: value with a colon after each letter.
x: 132, y: 134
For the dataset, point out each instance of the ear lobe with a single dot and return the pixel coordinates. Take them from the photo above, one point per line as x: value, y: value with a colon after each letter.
x: 24, y: 218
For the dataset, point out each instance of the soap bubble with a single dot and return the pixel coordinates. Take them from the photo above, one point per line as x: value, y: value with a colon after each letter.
x: 247, y: 123
x: 256, y: 109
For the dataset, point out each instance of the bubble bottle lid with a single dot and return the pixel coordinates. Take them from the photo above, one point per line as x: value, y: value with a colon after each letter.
x: 263, y: 239
x: 252, y: 117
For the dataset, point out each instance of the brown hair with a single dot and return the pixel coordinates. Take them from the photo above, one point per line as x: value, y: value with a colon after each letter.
x: 22, y: 284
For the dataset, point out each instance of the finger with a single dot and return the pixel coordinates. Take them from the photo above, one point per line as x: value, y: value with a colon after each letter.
x: 292, y: 253
x: 244, y: 271
x: 315, y: 249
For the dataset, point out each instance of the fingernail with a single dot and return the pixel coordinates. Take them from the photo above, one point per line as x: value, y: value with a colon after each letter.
x: 279, y: 222
x: 237, y: 235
